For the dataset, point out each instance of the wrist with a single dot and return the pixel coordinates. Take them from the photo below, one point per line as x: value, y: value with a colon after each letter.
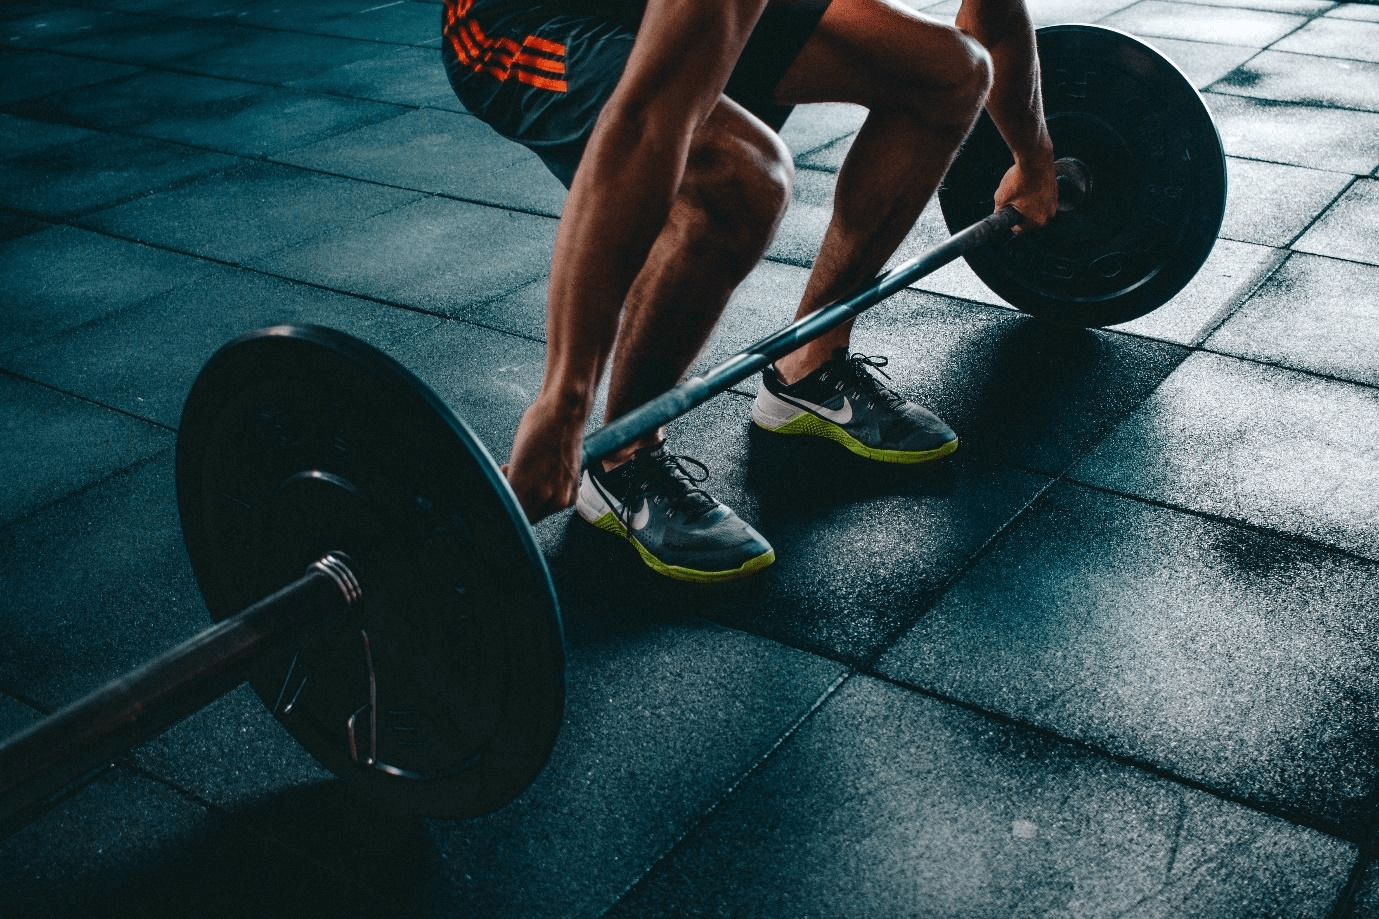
x: 1036, y: 154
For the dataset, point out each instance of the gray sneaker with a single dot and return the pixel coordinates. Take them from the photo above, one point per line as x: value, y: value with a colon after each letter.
x: 654, y: 501
x: 843, y: 402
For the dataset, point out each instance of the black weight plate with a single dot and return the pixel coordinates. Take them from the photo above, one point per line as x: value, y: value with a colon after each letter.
x: 1156, y: 197
x: 442, y: 694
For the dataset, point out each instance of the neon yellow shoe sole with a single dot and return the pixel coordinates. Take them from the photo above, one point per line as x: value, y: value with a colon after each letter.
x: 814, y: 426
x: 610, y: 523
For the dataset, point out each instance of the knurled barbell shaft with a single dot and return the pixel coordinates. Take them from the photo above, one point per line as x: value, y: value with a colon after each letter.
x: 92, y: 731
x: 1073, y: 183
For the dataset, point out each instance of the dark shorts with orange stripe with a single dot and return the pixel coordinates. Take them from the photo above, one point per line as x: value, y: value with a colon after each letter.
x: 540, y: 72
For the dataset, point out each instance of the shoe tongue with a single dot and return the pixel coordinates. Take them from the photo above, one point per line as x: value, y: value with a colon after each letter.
x: 690, y: 498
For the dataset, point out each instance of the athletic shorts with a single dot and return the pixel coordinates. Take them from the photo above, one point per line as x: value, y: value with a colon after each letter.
x: 540, y: 72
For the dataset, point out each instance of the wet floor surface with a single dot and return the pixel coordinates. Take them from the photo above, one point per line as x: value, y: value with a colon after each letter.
x: 1117, y: 656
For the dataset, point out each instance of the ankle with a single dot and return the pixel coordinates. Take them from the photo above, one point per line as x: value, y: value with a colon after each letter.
x: 625, y: 455
x: 799, y: 364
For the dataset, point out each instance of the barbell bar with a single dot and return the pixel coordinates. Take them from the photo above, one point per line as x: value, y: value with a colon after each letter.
x: 421, y: 656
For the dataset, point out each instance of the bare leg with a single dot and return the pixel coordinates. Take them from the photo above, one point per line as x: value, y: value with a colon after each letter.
x: 734, y: 193
x: 924, y: 84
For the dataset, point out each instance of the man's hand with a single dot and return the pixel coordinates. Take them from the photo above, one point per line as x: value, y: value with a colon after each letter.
x: 1032, y: 190
x: 544, y: 469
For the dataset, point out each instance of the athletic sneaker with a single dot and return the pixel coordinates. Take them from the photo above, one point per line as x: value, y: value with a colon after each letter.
x: 654, y: 501
x: 842, y: 401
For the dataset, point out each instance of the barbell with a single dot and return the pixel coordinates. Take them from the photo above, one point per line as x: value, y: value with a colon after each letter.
x: 417, y: 650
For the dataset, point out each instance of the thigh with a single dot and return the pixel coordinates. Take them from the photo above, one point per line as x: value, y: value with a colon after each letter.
x: 868, y: 51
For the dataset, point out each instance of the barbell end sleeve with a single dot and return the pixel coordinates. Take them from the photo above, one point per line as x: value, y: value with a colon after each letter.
x: 39, y: 762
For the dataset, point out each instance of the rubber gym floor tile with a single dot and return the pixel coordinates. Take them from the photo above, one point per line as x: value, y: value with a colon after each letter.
x: 250, y: 211
x: 235, y: 755
x: 274, y: 14
x: 487, y: 378
x: 1016, y: 390
x: 21, y: 136
x: 1053, y: 12
x: 148, y: 95
x: 128, y: 846
x: 30, y: 74
x: 1227, y: 25
x: 441, y: 152
x: 61, y: 277
x: 66, y: 181
x: 1230, y: 274
x: 1283, y: 450
x: 143, y: 361
x: 661, y: 722
x: 279, y: 57
x: 920, y: 808
x: 152, y: 41
x: 1298, y: 7
x: 270, y: 122
x: 47, y: 27
x: 1346, y: 231
x: 1203, y: 63
x: 1366, y: 900
x: 13, y: 226
x: 404, y: 22
x: 811, y: 127
x: 1331, y: 37
x: 861, y: 548
x: 435, y: 255
x: 1272, y: 204
x: 1240, y: 661
x: 1336, y: 140
x: 97, y: 583
x: 1305, y: 79
x: 1315, y: 314
x: 861, y: 551
x: 407, y: 76
x: 1363, y: 11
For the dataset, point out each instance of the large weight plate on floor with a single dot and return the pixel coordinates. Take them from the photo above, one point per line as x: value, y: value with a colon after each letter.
x: 1157, y: 193
x: 442, y: 693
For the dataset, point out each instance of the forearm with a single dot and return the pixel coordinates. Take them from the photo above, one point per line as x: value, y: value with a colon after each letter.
x: 1015, y: 104
x: 627, y: 181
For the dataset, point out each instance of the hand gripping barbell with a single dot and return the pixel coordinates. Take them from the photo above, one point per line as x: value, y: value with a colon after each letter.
x: 420, y: 656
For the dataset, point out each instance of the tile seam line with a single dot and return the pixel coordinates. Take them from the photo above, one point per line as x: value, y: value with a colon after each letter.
x: 12, y: 374
x: 1344, y: 906
x: 868, y: 663
x: 1305, y: 104
x: 704, y: 815
x: 239, y: 266
x: 87, y: 487
x: 1236, y: 523
x: 1291, y: 103
x: 1336, y: 829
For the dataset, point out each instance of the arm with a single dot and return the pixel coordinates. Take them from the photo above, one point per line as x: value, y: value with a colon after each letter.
x: 621, y: 195
x: 1016, y: 104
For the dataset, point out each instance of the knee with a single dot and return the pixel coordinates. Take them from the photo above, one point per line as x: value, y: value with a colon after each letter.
x: 973, y: 69
x: 738, y: 189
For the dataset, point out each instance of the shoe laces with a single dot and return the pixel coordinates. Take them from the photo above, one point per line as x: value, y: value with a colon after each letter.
x: 857, y: 371
x: 662, y: 476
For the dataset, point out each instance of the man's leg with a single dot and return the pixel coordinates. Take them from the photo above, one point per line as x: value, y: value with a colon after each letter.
x: 924, y: 84
x: 735, y: 191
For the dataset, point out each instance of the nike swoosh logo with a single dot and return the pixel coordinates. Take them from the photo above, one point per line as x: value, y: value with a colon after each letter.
x: 836, y: 415
x: 641, y: 518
